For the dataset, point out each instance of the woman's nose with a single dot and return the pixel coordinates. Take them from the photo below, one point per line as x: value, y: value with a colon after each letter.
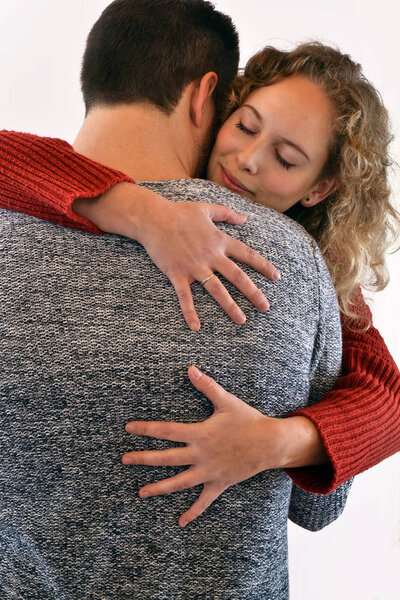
x: 247, y: 160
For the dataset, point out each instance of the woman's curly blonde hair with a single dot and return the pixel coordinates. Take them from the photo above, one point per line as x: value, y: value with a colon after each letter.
x: 357, y: 223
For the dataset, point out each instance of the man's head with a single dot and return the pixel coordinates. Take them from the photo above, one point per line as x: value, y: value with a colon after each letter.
x: 150, y: 50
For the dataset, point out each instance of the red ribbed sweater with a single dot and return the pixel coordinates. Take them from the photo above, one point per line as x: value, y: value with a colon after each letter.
x: 358, y: 421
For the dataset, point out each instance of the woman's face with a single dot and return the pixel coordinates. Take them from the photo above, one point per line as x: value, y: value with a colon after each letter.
x: 273, y: 148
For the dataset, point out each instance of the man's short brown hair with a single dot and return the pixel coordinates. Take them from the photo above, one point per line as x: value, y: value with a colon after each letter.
x: 150, y: 50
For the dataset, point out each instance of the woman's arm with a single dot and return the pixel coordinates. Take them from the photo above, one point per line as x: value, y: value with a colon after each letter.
x: 359, y: 420
x: 46, y: 178
x: 234, y: 444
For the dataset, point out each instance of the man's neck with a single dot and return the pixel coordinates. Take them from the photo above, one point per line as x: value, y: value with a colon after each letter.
x: 138, y: 140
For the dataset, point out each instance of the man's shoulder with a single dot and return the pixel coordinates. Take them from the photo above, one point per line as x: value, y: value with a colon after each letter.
x: 276, y: 236
x: 200, y: 190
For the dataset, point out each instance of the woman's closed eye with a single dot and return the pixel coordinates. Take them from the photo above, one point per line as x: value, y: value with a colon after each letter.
x: 245, y: 129
x: 284, y: 163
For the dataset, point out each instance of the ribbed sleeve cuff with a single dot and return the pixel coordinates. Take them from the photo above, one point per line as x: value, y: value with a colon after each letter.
x: 314, y: 512
x: 44, y: 176
x: 359, y: 422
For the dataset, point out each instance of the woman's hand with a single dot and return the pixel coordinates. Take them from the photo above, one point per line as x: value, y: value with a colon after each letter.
x: 234, y: 444
x: 182, y: 240
x: 223, y: 450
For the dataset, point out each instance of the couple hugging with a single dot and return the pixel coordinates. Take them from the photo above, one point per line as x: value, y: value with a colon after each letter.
x: 97, y: 409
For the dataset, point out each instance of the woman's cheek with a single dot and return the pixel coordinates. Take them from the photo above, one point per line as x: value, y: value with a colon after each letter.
x: 277, y: 184
x: 227, y: 140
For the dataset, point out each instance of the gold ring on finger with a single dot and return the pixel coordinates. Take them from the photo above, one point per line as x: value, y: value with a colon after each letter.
x: 207, y: 279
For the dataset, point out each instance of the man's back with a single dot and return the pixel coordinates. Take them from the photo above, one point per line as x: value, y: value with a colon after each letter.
x: 92, y: 337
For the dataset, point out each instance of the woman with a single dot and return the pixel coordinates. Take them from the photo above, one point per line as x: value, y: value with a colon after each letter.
x: 334, y: 182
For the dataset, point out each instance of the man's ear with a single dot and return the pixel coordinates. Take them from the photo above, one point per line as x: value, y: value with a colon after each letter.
x: 201, y: 100
x: 319, y: 192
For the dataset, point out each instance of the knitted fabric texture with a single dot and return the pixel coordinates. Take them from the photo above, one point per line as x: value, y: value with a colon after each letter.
x: 45, y: 188
x: 92, y: 337
x: 359, y: 421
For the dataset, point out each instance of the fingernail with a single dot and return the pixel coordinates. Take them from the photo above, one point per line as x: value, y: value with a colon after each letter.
x: 130, y: 427
x: 184, y: 523
x: 276, y: 275
x: 196, y: 372
x: 144, y: 494
x: 264, y: 305
x: 241, y: 318
x: 194, y: 326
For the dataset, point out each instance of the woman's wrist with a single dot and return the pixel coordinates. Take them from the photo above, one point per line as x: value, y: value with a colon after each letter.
x: 298, y: 443
x: 124, y: 209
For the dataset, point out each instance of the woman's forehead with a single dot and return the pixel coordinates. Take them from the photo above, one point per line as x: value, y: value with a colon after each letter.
x: 296, y: 105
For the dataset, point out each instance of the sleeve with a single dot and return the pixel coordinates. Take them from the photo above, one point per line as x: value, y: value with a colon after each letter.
x: 43, y: 176
x: 315, y: 511
x: 359, y: 420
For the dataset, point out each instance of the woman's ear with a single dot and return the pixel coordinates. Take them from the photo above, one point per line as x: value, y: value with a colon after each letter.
x: 202, y: 101
x: 319, y: 192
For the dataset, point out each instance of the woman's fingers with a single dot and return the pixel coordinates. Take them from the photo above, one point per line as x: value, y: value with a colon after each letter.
x: 239, y: 251
x: 183, y: 481
x: 219, y: 212
x: 163, y: 430
x: 210, y: 388
x: 208, y: 495
x: 221, y: 295
x: 185, y: 297
x: 170, y: 457
x: 231, y: 272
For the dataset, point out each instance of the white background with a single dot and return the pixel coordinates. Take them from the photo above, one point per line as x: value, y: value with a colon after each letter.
x: 41, y: 44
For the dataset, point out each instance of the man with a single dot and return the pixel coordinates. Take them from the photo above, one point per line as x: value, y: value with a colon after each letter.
x: 88, y: 344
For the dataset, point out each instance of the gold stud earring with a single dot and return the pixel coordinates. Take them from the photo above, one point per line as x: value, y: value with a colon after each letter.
x: 307, y: 200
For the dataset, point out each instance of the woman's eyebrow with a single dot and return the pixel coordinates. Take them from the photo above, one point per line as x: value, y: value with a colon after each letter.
x: 295, y: 146
x: 254, y: 110
x: 283, y: 140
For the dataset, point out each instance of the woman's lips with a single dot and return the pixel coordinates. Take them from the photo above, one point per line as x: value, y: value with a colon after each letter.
x: 232, y: 183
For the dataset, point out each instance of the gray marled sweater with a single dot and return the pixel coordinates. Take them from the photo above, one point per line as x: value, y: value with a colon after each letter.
x: 91, y: 336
